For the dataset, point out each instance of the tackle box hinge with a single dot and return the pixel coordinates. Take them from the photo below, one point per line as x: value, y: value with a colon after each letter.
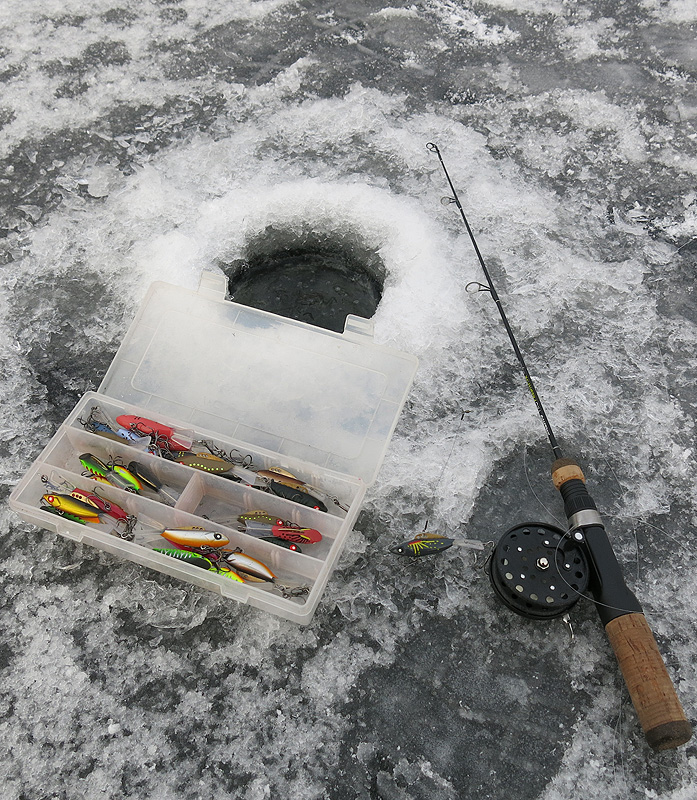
x: 358, y: 327
x: 212, y: 285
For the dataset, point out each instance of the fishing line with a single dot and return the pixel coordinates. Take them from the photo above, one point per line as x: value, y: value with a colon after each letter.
x: 532, y: 491
x: 447, y: 461
x: 581, y: 594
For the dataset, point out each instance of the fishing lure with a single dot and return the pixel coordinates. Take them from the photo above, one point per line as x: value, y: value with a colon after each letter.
x: 281, y: 475
x: 143, y: 474
x: 295, y: 495
x: 133, y: 478
x: 115, y: 474
x: 430, y: 543
x: 94, y: 465
x: 231, y: 563
x: 281, y: 543
x: 262, y: 516
x: 99, y: 422
x: 187, y: 556
x: 80, y: 505
x: 276, y: 480
x: 422, y: 545
x: 255, y: 570
x: 171, y: 438
x: 230, y: 573
x: 284, y: 484
x: 101, y: 504
x: 65, y: 515
x: 66, y: 504
x: 204, y: 461
x: 199, y: 560
x: 241, y: 562
x: 267, y: 534
x: 289, y: 534
x: 149, y: 481
x: 92, y: 498
x: 195, y: 537
x: 123, y: 478
x: 178, y: 445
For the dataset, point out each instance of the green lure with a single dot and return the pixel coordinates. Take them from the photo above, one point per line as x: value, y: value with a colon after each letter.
x: 94, y: 465
x: 125, y: 479
x: 64, y: 514
x: 115, y: 474
x: 198, y: 560
x: 187, y: 557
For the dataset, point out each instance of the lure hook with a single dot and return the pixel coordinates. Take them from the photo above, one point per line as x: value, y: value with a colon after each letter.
x: 288, y: 592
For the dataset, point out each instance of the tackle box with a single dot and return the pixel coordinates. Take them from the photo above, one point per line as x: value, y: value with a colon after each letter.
x: 259, y: 387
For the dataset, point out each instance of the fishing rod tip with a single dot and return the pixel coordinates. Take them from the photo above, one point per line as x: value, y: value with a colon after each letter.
x: 432, y: 147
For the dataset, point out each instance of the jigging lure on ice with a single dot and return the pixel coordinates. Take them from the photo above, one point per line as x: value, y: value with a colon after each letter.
x: 580, y: 556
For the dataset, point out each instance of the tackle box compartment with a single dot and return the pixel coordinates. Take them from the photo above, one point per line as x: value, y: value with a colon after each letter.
x: 267, y: 390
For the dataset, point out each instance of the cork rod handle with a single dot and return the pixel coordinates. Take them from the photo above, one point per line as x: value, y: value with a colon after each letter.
x: 652, y: 692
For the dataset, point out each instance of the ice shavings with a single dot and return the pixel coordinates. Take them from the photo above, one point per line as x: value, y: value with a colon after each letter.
x: 323, y: 677
x: 671, y: 11
x: 529, y: 6
x: 594, y: 111
x: 392, y: 12
x: 184, y: 698
x: 464, y: 20
x: 684, y: 230
x: 76, y: 67
x: 593, y: 38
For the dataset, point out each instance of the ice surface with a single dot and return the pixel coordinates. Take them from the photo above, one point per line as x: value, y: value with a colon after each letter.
x: 147, y: 142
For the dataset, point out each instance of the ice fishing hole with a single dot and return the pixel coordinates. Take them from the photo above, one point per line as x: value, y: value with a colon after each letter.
x: 313, y: 278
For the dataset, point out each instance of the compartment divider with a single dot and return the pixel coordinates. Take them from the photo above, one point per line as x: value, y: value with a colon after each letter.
x: 189, y: 498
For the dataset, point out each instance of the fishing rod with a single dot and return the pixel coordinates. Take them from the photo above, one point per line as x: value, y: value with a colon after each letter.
x: 561, y: 564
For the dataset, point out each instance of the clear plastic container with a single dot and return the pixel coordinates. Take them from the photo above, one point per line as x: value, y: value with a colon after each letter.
x: 266, y: 390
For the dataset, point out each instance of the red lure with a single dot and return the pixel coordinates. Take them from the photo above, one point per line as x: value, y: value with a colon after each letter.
x: 174, y: 440
x: 299, y: 535
x: 100, y: 503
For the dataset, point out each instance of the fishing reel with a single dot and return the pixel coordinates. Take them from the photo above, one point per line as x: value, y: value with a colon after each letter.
x: 538, y: 570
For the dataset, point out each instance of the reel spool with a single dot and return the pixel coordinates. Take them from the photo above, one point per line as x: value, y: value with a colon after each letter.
x: 538, y: 570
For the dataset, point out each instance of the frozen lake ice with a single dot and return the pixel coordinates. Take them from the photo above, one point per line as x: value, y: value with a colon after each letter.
x: 143, y: 142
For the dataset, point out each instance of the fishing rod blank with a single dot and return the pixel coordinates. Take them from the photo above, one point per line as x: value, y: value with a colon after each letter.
x: 652, y: 692
x: 495, y: 297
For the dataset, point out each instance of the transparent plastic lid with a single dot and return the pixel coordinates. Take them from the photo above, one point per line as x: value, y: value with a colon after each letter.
x: 312, y: 394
